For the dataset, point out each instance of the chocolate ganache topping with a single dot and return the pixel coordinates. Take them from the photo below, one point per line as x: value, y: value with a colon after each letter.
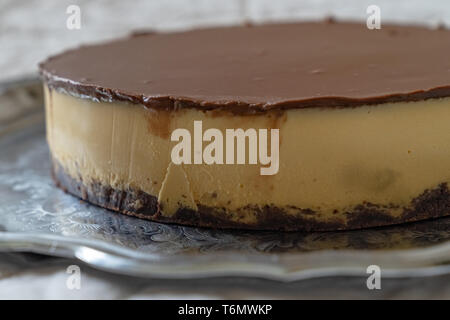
x: 258, y: 68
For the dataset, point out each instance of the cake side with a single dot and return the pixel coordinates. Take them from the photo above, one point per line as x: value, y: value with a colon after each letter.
x: 118, y: 156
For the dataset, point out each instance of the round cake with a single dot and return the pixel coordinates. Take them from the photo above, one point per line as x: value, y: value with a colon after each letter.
x: 305, y: 126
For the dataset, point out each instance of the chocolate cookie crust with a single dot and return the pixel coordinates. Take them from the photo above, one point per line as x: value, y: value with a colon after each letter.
x: 254, y: 69
x: 432, y: 203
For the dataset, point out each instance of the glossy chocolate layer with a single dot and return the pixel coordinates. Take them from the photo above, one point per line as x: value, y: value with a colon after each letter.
x: 261, y: 67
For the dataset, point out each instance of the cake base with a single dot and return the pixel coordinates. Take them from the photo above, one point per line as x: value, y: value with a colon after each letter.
x: 432, y: 203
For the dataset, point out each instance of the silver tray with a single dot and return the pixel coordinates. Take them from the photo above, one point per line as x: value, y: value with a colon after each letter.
x: 37, y: 217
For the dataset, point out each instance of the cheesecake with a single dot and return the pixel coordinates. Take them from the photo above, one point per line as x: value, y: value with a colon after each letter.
x: 362, y: 123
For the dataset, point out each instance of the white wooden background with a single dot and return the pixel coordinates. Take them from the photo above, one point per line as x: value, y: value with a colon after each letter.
x: 30, y: 30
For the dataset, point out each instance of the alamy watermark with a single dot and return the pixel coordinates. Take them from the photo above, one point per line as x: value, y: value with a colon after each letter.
x: 231, y: 151
x: 374, y: 19
x: 73, y: 21
x: 73, y: 281
x: 374, y: 280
